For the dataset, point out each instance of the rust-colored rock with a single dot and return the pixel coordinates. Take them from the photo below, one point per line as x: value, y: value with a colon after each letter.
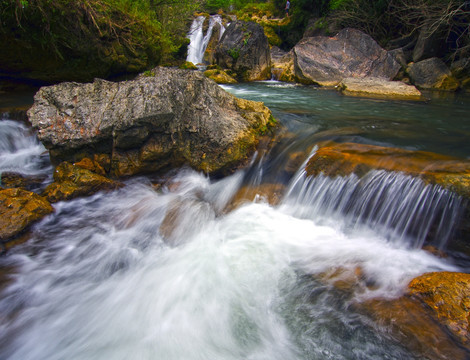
x: 15, y: 180
x: 410, y: 324
x: 73, y: 181
x: 93, y: 166
x: 334, y: 159
x: 271, y: 193
x: 18, y: 210
x: 447, y: 297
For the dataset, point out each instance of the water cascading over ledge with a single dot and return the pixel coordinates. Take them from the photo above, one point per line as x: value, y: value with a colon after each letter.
x: 198, y: 41
x: 404, y: 209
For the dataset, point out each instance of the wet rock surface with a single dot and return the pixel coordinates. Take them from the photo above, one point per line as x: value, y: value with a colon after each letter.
x: 446, y: 296
x: 19, y: 209
x: 72, y: 181
x: 343, y: 159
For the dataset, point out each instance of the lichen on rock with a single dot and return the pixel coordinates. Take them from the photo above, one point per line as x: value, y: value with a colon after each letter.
x: 164, y: 119
x: 19, y: 209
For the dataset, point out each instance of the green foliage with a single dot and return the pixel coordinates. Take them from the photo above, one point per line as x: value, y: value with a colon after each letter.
x: 301, y: 11
x: 234, y: 53
x: 445, y: 21
x: 101, y: 37
x: 215, y: 5
x: 82, y: 39
x: 148, y: 73
x: 250, y: 10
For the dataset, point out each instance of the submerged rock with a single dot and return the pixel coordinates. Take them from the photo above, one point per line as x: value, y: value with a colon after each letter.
x: 406, y: 321
x: 334, y: 159
x: 19, y: 209
x: 379, y: 88
x: 15, y: 180
x: 168, y: 118
x: 447, y: 299
x: 270, y: 193
x: 351, y: 53
x: 244, y: 49
x: 71, y: 181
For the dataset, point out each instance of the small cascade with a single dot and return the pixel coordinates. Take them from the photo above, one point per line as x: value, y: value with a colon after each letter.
x: 198, y: 42
x: 20, y: 150
x: 402, y: 208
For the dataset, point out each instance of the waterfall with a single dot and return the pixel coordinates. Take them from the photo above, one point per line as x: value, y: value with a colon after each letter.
x: 403, y: 208
x: 198, y: 42
x: 20, y: 150
x: 175, y: 267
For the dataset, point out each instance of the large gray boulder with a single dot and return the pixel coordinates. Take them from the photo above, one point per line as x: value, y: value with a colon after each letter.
x: 432, y: 74
x: 169, y: 118
x: 351, y: 53
x: 245, y: 50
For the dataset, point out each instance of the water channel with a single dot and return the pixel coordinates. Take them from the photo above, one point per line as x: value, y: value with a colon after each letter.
x: 104, y: 277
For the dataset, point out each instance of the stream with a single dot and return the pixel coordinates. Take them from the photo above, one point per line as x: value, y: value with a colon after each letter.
x: 110, y: 277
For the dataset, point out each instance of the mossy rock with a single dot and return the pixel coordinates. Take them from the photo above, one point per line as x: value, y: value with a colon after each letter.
x: 343, y: 159
x: 406, y: 321
x: 447, y: 298
x: 72, y: 181
x: 220, y: 76
x: 19, y: 209
x: 188, y: 65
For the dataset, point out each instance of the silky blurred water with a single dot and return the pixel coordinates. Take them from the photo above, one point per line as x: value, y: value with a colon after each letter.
x: 177, y: 271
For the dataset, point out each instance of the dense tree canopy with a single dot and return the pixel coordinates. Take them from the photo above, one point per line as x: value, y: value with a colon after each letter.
x: 82, y: 39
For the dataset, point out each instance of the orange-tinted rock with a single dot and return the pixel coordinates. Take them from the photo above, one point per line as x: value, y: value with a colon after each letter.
x: 447, y: 296
x: 406, y: 321
x: 272, y: 193
x: 343, y: 159
x: 93, y: 166
x: 346, y: 279
x: 14, y: 180
x: 18, y: 210
x: 184, y: 218
x: 72, y: 181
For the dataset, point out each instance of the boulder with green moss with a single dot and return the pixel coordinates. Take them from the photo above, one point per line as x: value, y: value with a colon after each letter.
x: 19, y: 209
x: 343, y: 159
x: 155, y: 122
x: 72, y: 181
x: 220, y: 76
x: 244, y: 49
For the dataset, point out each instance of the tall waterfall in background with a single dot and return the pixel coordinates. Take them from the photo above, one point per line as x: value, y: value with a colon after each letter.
x: 198, y: 41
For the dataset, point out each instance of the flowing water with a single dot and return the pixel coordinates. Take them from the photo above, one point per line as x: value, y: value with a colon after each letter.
x: 177, y: 272
x: 198, y: 40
